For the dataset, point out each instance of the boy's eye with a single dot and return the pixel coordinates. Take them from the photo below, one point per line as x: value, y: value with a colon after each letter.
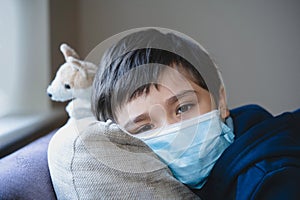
x: 144, y: 128
x: 184, y: 108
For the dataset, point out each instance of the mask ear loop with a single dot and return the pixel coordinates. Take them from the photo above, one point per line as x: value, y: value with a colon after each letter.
x: 222, y: 100
x: 222, y: 104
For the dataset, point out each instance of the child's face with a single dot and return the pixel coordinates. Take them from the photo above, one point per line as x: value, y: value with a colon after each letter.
x: 177, y: 98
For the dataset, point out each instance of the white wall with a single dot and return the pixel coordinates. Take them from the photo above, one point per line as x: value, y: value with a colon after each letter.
x: 256, y: 43
x: 24, y: 56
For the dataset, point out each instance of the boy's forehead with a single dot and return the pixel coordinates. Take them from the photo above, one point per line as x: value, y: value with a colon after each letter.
x: 170, y: 83
x: 175, y: 80
x: 159, y: 96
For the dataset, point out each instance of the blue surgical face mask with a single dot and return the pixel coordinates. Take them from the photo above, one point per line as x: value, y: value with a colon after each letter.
x: 192, y: 147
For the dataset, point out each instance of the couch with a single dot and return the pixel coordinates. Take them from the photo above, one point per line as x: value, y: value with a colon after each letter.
x: 24, y: 174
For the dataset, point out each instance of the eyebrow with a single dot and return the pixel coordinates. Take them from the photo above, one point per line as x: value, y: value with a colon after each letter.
x: 179, y: 96
x: 137, y: 119
x: 170, y: 101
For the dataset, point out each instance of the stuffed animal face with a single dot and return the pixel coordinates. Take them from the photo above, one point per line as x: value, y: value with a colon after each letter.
x: 60, y: 89
x: 71, y: 82
x: 73, y: 79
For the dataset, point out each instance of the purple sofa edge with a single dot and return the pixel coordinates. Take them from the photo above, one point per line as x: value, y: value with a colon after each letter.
x: 24, y: 174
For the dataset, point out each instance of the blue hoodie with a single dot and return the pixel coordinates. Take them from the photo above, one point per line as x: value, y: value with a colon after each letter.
x: 264, y: 160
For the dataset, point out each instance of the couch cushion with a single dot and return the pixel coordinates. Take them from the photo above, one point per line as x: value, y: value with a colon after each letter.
x: 24, y: 174
x: 97, y: 160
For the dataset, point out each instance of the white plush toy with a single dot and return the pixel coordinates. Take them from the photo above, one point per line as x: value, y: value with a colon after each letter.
x: 73, y: 81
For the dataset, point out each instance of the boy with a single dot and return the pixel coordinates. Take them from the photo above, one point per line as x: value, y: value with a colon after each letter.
x: 164, y: 89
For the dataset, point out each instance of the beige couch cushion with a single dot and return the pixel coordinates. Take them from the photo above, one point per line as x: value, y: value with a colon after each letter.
x: 97, y: 160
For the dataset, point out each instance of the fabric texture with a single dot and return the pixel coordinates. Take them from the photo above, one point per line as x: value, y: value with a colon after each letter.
x: 96, y: 160
x: 264, y: 160
x: 24, y: 174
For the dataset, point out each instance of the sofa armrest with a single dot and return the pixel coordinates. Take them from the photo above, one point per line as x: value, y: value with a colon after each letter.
x: 24, y: 174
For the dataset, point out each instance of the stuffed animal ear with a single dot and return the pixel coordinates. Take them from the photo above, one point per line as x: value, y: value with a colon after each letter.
x: 67, y: 51
x: 78, y: 64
